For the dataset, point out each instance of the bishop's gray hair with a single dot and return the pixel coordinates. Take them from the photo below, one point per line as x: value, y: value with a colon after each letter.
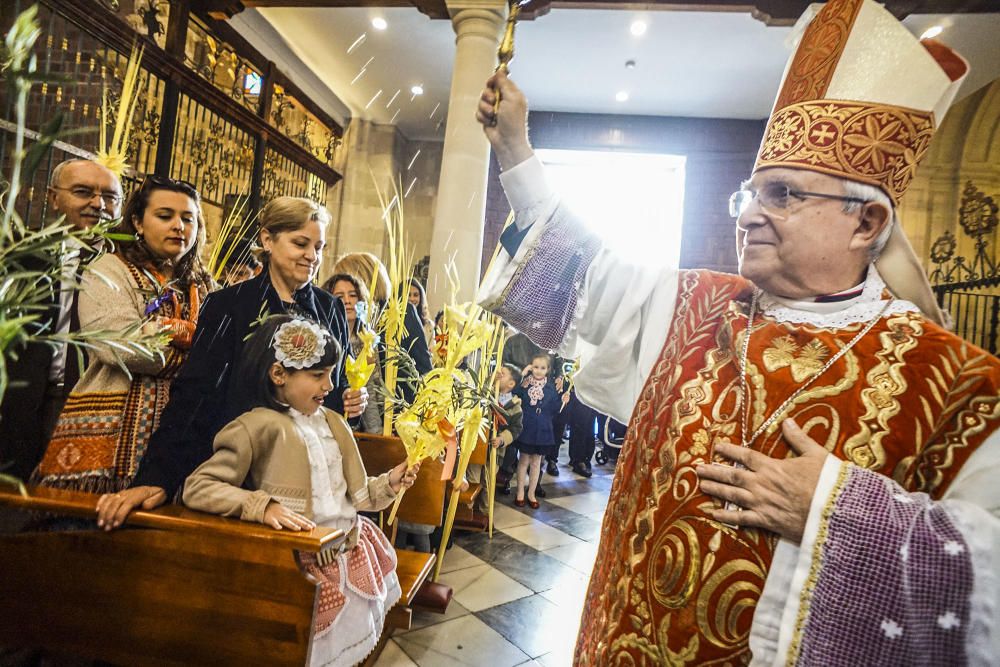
x: 871, y: 194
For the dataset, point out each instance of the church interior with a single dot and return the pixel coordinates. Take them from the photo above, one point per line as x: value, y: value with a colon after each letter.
x: 647, y: 116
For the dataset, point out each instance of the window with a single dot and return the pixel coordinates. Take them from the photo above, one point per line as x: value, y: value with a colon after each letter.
x: 633, y: 201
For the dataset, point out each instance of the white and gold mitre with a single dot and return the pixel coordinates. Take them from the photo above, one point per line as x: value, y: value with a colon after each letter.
x: 860, y: 98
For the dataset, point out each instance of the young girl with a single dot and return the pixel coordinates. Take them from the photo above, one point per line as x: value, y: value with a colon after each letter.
x: 540, y: 403
x: 293, y: 464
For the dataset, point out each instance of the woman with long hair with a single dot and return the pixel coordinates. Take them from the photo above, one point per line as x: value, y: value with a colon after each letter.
x: 157, y: 278
x: 418, y: 299
x: 351, y: 292
x: 206, y: 395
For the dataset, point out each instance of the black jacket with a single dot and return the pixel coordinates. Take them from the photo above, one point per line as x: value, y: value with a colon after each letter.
x: 204, y: 396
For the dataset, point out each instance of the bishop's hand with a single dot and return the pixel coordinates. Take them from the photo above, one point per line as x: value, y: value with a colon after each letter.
x: 507, y: 128
x: 775, y: 494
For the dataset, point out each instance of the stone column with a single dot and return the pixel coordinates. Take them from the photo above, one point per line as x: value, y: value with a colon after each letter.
x: 461, y: 199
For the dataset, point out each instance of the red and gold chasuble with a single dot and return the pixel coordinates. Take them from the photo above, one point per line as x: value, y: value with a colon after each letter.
x: 673, y: 587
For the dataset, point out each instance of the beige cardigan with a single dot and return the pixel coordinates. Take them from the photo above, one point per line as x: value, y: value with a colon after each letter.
x: 264, y: 446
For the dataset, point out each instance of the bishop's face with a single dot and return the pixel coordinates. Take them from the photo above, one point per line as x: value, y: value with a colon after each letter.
x: 805, y: 249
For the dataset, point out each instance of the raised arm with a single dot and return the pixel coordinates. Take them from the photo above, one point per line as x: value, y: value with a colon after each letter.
x: 552, y: 280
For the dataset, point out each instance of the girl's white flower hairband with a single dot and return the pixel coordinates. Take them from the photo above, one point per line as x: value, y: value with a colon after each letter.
x: 299, y: 344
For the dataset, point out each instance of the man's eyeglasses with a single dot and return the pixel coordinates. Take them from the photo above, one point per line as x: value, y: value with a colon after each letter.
x: 83, y: 193
x: 775, y: 196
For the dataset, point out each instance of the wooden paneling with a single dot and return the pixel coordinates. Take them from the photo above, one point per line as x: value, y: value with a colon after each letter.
x: 185, y: 588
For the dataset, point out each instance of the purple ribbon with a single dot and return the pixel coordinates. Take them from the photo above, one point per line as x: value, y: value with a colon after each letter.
x: 156, y: 303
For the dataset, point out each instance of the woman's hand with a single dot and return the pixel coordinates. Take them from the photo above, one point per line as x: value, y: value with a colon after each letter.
x: 497, y: 441
x: 278, y: 516
x: 462, y: 486
x: 355, y: 402
x: 113, y: 508
x: 775, y: 494
x: 402, y: 477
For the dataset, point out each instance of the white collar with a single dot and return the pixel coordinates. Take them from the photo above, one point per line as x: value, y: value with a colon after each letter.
x: 835, y: 314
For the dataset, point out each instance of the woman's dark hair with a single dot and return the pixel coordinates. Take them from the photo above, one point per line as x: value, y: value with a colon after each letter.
x: 190, y: 269
x: 422, y: 310
x: 359, y: 287
x: 257, y: 358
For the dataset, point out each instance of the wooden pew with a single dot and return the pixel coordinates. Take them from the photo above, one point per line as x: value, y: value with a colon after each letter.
x: 177, y: 587
x: 422, y: 503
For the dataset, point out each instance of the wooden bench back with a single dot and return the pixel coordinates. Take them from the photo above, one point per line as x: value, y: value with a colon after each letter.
x: 187, y: 588
x: 424, y: 501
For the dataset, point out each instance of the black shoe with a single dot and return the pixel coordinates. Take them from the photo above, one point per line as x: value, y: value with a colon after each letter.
x: 552, y: 468
x: 580, y: 469
x: 589, y: 469
x: 540, y: 492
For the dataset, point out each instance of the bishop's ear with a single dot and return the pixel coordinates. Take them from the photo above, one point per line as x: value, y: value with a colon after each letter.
x: 875, y: 217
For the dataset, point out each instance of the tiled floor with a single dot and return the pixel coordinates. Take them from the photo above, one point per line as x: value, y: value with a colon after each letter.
x: 518, y: 597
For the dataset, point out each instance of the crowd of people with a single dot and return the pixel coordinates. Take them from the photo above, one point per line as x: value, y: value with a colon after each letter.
x: 247, y: 411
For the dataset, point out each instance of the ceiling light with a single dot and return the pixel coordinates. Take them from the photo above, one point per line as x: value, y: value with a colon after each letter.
x: 417, y: 90
x: 629, y: 64
x: 638, y: 28
x: 932, y: 32
x: 379, y: 23
x: 622, y: 96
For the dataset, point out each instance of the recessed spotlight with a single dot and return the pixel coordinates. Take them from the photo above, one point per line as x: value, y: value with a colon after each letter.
x: 638, y: 28
x: 629, y: 64
x: 417, y: 90
x: 379, y: 23
x: 622, y: 96
x: 932, y: 32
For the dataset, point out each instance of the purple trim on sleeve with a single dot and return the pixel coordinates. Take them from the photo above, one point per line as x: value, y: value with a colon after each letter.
x: 892, y: 584
x: 541, y: 297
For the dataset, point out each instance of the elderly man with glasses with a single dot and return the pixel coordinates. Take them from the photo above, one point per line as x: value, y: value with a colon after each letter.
x: 82, y: 193
x: 809, y: 475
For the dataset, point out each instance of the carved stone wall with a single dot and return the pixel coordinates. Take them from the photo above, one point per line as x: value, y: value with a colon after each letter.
x: 965, y: 150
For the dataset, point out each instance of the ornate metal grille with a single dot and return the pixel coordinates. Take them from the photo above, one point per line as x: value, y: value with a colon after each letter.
x: 218, y: 63
x: 290, y: 117
x: 86, y: 69
x: 209, y: 151
x: 282, y: 176
x: 970, y: 291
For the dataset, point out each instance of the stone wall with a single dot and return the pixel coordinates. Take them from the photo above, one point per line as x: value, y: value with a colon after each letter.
x: 380, y: 158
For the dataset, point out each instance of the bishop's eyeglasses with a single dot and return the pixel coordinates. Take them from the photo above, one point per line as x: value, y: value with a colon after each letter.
x: 775, y: 196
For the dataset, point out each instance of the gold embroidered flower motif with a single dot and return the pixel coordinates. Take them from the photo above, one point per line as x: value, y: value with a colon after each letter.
x: 699, y: 441
x: 780, y: 354
x: 876, y: 142
x: 802, y: 362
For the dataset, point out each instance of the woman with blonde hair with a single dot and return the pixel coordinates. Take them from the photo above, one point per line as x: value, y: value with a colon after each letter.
x: 206, y: 395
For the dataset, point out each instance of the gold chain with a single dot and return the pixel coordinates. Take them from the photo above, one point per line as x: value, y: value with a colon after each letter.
x: 745, y: 385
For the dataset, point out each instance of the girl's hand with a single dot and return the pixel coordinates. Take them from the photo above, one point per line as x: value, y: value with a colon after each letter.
x: 497, y: 441
x: 278, y: 516
x: 463, y: 486
x: 402, y: 477
x: 565, y: 398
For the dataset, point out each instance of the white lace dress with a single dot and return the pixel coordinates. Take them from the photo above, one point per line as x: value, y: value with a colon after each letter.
x: 359, y: 586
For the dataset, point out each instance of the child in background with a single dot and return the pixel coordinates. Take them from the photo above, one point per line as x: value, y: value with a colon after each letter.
x: 540, y: 402
x: 293, y: 464
x: 506, y: 434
